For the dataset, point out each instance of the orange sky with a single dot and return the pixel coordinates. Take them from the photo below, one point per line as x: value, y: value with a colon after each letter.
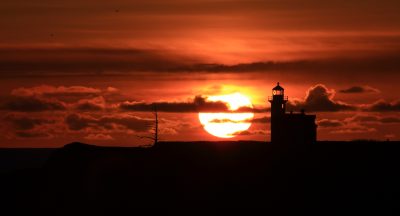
x: 66, y: 67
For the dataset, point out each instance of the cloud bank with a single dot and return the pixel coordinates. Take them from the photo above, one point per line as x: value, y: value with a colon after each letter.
x: 320, y: 99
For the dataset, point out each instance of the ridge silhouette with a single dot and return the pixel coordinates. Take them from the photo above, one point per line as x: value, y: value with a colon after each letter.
x: 326, y: 178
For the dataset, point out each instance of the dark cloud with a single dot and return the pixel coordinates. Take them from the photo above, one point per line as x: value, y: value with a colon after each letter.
x: 390, y: 120
x: 360, y: 89
x: 25, y: 122
x: 329, y: 123
x: 167, y: 130
x: 251, y: 132
x: 68, y: 94
x: 383, y: 106
x: 243, y: 133
x: 77, y: 61
x: 129, y: 122
x: 319, y: 99
x: 387, y: 62
x: 253, y: 109
x: 265, y: 119
x: 354, y: 129
x: 357, y: 124
x: 76, y: 122
x: 31, y: 104
x: 47, y: 98
x: 94, y: 61
x: 87, y: 106
x: 56, y: 91
x: 33, y: 134
x: 94, y: 104
x: 198, y: 104
x: 31, y: 125
x: 365, y: 118
x: 99, y: 136
x: 228, y: 121
x: 225, y: 121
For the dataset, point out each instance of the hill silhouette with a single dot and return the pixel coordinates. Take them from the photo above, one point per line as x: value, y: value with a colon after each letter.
x: 329, y: 178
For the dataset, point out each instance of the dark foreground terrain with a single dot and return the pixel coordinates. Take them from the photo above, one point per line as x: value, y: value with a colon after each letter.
x: 328, y: 178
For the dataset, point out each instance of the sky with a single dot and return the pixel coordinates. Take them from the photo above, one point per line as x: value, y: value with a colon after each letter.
x: 91, y: 71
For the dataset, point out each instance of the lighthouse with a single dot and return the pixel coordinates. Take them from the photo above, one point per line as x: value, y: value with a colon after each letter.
x: 290, y: 128
x: 278, y: 109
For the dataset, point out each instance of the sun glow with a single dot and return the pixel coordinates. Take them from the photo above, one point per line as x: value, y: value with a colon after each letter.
x: 228, y: 125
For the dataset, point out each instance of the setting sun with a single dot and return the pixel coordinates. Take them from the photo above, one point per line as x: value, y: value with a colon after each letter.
x: 228, y: 125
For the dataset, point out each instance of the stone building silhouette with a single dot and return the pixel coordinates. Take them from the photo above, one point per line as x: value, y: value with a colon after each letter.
x: 290, y: 128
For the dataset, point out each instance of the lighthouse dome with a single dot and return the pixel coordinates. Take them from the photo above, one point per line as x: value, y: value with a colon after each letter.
x: 278, y: 87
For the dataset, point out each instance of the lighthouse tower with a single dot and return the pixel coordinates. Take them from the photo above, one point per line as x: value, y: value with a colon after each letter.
x: 278, y: 108
x: 294, y: 129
